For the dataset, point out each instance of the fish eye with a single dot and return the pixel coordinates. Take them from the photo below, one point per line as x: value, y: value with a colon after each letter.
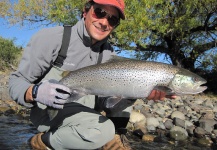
x: 195, y: 79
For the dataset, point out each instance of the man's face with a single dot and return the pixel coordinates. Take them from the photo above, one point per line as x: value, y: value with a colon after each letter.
x: 99, y: 28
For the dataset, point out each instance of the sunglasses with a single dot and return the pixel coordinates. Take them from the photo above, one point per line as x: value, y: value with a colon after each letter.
x: 101, y: 13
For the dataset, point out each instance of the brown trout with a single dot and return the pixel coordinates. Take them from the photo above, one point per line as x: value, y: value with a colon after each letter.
x: 129, y: 78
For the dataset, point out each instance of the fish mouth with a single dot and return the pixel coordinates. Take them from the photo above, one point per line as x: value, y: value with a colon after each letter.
x: 196, y: 89
x: 200, y: 87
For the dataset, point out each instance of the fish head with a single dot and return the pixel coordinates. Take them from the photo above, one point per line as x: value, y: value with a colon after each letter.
x: 186, y: 82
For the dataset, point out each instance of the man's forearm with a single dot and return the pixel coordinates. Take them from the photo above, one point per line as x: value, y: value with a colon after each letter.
x: 28, y: 95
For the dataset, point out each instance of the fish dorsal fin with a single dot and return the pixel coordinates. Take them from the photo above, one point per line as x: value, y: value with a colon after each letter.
x: 115, y: 58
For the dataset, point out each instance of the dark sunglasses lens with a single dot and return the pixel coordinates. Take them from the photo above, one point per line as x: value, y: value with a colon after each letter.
x: 113, y: 21
x: 99, y: 13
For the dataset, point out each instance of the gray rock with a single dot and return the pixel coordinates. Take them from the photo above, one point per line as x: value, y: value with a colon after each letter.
x: 207, y: 124
x: 151, y: 128
x: 168, y: 113
x: 199, y: 101
x: 199, y: 132
x: 160, y: 112
x: 152, y: 122
x: 215, y: 109
x: 206, y: 142
x: 215, y: 132
x: 147, y: 114
x: 188, y: 123
x: 178, y: 103
x: 178, y: 133
x: 136, y: 117
x: 159, y: 105
x: 208, y: 103
x: 188, y: 108
x: 159, y: 119
x: 137, y: 107
x: 168, y: 124
x: 209, y: 115
x: 183, y: 110
x: 166, y: 107
x: 150, y: 102
x: 178, y: 114
x: 179, y: 122
x: 161, y: 126
x: 190, y: 129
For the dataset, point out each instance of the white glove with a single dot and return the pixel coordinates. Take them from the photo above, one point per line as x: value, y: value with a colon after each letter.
x: 51, y: 93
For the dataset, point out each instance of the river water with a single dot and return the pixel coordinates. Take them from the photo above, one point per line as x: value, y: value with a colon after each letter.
x: 15, y: 132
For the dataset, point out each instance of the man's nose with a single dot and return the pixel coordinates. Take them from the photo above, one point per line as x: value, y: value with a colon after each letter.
x: 104, y: 22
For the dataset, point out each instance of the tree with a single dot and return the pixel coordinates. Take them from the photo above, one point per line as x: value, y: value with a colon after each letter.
x: 8, y: 54
x: 183, y: 30
x: 44, y: 12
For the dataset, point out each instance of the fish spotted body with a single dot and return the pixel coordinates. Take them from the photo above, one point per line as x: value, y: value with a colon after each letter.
x: 130, y: 78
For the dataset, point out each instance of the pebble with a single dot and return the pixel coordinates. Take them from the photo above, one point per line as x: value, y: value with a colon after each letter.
x: 178, y: 133
x: 136, y: 117
x: 152, y: 122
x: 178, y: 114
x: 190, y: 130
x: 199, y: 132
x: 208, y: 103
x: 204, y: 141
x: 148, y: 138
x: 179, y: 122
x: 207, y: 124
x: 168, y: 124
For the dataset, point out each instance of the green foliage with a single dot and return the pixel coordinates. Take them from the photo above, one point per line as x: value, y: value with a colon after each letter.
x: 181, y: 30
x: 42, y: 11
x: 9, y: 53
x: 65, y: 12
x: 5, y: 6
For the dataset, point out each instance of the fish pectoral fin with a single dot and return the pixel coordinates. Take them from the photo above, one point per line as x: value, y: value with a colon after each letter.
x: 112, y: 101
x: 52, y: 112
x: 165, y: 89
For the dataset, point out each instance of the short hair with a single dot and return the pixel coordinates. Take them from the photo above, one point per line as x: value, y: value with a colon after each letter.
x: 87, y: 7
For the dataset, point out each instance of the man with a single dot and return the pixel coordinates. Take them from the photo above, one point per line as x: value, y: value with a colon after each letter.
x: 77, y: 125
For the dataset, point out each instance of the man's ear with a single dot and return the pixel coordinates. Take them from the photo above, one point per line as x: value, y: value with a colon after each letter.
x: 84, y: 13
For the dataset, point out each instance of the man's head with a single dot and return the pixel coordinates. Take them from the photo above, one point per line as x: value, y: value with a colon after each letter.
x: 102, y: 17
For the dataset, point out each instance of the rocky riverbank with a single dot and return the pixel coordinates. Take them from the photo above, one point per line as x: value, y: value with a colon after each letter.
x: 171, y: 122
x: 181, y: 119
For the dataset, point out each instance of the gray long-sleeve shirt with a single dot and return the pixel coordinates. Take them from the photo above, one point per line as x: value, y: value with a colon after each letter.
x: 42, y: 51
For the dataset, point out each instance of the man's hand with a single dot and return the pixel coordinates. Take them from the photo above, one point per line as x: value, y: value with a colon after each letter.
x: 159, y: 95
x: 51, y: 93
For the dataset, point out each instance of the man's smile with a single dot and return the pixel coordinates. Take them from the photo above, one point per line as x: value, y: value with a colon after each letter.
x: 100, y: 28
